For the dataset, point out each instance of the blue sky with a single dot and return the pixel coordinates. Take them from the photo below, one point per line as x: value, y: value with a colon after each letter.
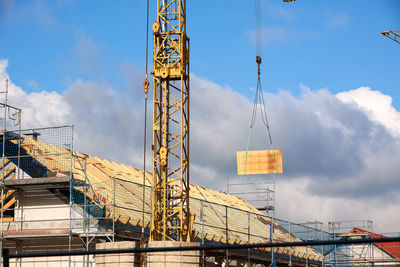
x: 82, y: 62
x: 320, y: 44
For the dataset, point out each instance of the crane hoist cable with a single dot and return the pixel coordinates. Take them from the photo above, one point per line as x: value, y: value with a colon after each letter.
x: 146, y: 89
x: 259, y: 101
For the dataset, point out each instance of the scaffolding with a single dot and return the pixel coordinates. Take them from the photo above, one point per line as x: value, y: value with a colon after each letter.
x: 259, y: 194
x: 41, y: 199
x: 349, y: 255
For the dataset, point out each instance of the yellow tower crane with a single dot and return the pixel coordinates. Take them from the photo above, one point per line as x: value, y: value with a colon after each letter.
x: 394, y: 35
x: 171, y: 219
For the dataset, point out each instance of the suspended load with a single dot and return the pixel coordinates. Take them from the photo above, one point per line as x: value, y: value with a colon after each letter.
x: 259, y: 162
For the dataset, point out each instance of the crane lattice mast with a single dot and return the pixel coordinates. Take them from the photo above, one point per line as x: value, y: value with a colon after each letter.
x: 171, y: 218
x: 394, y: 35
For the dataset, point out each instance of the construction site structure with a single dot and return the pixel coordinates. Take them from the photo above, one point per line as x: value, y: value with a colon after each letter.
x: 372, y: 254
x: 171, y: 218
x: 259, y: 194
x: 55, y: 198
x: 394, y: 35
x: 63, y: 199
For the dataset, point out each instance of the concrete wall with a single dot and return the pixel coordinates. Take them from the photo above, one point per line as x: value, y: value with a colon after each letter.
x: 117, y: 260
x: 40, y: 209
x: 173, y: 258
x: 49, y: 244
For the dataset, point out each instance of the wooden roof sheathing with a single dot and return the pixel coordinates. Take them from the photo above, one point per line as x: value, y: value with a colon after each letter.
x: 259, y: 162
x: 221, y: 211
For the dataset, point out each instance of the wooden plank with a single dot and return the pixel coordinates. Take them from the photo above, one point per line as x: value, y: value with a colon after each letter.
x: 8, y: 219
x: 108, y: 165
x: 6, y: 161
x: 259, y: 162
x: 8, y: 194
x: 9, y: 171
x: 56, y: 157
x: 103, y: 167
x: 36, y: 152
x: 95, y: 174
x: 9, y: 204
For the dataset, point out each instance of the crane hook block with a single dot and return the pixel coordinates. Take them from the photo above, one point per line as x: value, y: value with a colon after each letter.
x: 258, y: 60
x: 146, y: 86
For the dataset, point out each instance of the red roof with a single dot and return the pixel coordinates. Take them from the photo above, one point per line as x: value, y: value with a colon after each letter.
x: 391, y: 248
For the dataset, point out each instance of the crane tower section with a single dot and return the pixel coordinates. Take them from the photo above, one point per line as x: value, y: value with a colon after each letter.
x: 171, y: 218
x: 394, y: 35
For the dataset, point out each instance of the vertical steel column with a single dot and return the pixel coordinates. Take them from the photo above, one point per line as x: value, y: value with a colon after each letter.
x: 5, y: 258
x: 203, y: 253
x: 290, y: 240
x: 113, y: 219
x: 248, y: 239
x: 306, y: 237
x: 19, y: 143
x: 3, y: 160
x: 70, y: 194
x: 226, y: 235
x: 322, y: 246
x: 171, y: 219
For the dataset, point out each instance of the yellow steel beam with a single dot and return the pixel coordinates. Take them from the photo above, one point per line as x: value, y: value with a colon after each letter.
x: 170, y: 193
x: 394, y: 35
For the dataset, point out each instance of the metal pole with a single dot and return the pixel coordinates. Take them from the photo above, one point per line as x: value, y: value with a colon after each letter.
x: 19, y: 143
x: 1, y: 252
x: 6, y: 259
x: 306, y: 247
x: 3, y: 162
x: 371, y: 247
x: 248, y: 239
x: 226, y: 234
x: 322, y: 247
x: 85, y: 206
x: 203, y: 260
x: 290, y: 240
x: 86, y: 220
x: 113, y: 219
x: 212, y: 247
x: 70, y: 194
x: 271, y: 237
x: 333, y: 236
x: 5, y: 107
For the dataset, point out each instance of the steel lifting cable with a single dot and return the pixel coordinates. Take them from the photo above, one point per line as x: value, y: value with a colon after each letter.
x: 146, y: 89
x: 259, y: 100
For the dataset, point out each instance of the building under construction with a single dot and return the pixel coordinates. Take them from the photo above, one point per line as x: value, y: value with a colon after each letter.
x: 59, y: 199
x: 55, y: 198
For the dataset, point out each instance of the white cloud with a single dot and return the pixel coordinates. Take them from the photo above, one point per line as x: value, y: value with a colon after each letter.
x: 295, y: 203
x: 87, y: 54
x: 340, y: 151
x: 338, y: 20
x: 33, y: 84
x: 6, y: 10
x: 277, y: 9
x: 39, y: 109
x: 34, y: 11
x: 280, y: 35
x: 376, y: 105
x: 271, y: 35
